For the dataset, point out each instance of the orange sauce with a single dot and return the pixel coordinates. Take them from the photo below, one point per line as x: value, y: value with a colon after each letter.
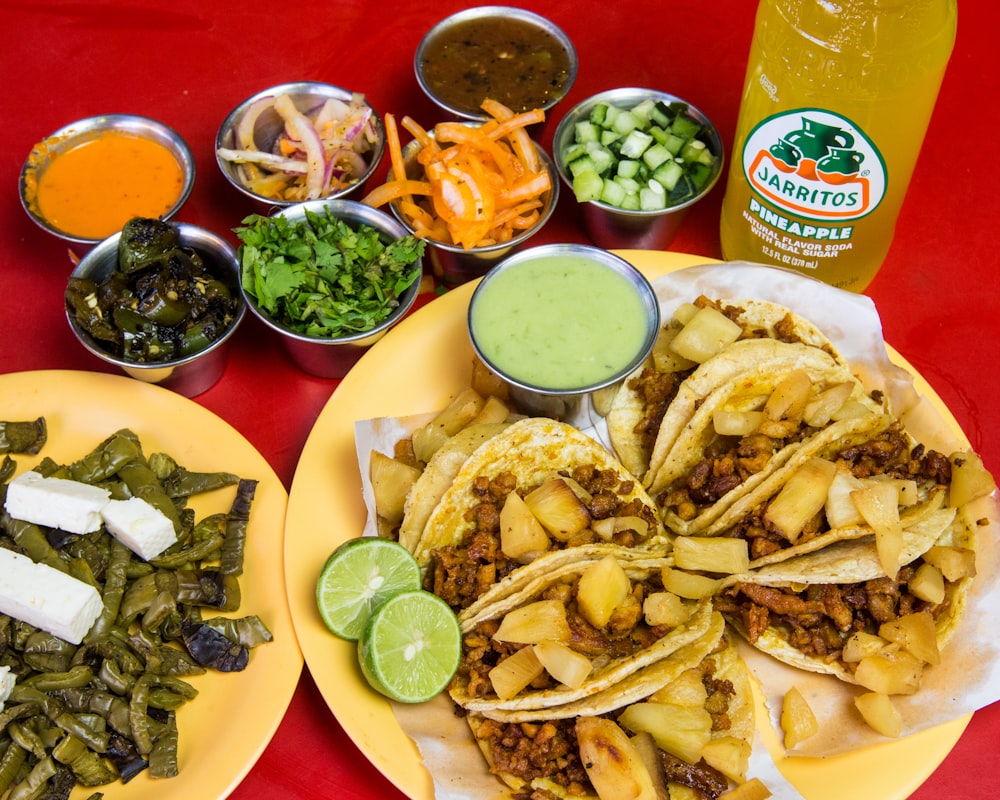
x: 92, y: 189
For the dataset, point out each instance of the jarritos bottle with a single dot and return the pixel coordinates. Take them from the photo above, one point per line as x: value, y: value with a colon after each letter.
x: 835, y: 105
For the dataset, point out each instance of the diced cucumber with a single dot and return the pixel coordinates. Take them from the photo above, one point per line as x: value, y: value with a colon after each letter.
x: 646, y: 156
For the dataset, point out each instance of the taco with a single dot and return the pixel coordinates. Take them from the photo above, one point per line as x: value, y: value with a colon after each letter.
x: 828, y: 610
x: 653, y: 404
x: 702, y: 689
x: 567, y: 489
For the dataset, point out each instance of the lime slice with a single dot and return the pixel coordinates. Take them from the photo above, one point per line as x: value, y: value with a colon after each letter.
x: 359, y: 576
x: 410, y: 647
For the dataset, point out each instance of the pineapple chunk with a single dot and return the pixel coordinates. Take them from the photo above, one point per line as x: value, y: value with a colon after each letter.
x: 486, y: 382
x: 665, y: 609
x: 601, y: 589
x: 684, y: 313
x: 729, y: 755
x: 797, y: 719
x: 852, y: 409
x: 801, y: 498
x: 879, y: 712
x: 682, y: 731
x: 821, y: 407
x: 927, y: 583
x: 541, y: 621
x: 687, y: 689
x: 664, y: 358
x: 735, y: 422
x: 954, y: 562
x: 602, y: 399
x: 839, y: 507
x: 878, y: 504
x: 652, y: 759
x: 753, y: 789
x: 521, y: 535
x: 391, y: 482
x: 916, y: 634
x: 969, y: 479
x: 712, y: 554
x: 614, y: 766
x: 462, y: 409
x: 494, y: 410
x: 558, y: 508
x: 860, y: 645
x: 890, y: 672
x: 564, y: 664
x: 784, y: 408
x: 515, y: 672
x: 607, y: 528
x: 688, y: 585
x: 704, y: 335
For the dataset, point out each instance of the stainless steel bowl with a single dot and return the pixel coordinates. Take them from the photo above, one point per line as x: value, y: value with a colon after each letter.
x: 327, y: 357
x: 574, y: 403
x: 307, y: 95
x: 615, y: 228
x: 453, y: 264
x: 488, y: 13
x: 193, y: 374
x: 85, y: 130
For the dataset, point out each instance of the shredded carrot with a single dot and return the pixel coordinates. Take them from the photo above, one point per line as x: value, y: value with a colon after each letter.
x: 480, y: 185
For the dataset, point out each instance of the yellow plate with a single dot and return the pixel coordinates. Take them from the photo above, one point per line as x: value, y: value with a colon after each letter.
x: 224, y: 730
x: 417, y: 368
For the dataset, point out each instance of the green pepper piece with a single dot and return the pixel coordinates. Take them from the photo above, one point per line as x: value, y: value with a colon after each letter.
x: 107, y: 458
x: 23, y: 437
x: 162, y: 305
x: 144, y: 240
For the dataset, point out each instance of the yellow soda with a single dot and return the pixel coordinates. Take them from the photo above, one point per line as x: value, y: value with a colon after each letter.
x: 836, y: 101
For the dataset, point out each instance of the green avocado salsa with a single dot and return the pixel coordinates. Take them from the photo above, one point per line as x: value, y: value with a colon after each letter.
x: 558, y: 322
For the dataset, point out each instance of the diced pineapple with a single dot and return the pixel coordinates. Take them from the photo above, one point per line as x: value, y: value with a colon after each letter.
x: 606, y: 528
x: 733, y: 422
x: 890, y: 672
x: 927, y: 584
x: 602, y: 399
x: 652, y: 759
x: 908, y: 492
x: 391, y: 482
x: 860, y: 645
x: 784, y: 408
x: 798, y: 722
x: 688, y: 585
x: 704, y: 335
x: 557, y: 507
x: 802, y: 496
x: 879, y: 712
x: 878, y: 504
x: 823, y: 405
x: 684, y: 313
x: 687, y: 689
x: 462, y: 409
x: 541, y: 621
x: 494, y: 410
x: 729, y: 755
x: 969, y: 479
x: 753, y: 789
x: 682, y: 731
x: 664, y: 357
x: 665, y: 608
x: 515, y: 672
x: 916, y: 634
x: 486, y: 382
x: 601, y: 589
x: 521, y: 535
x: 613, y: 765
x: 839, y: 508
x: 678, y: 791
x: 712, y: 554
x: 954, y: 562
x: 564, y: 664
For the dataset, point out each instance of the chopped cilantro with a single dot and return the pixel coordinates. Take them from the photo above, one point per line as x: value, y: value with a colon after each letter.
x: 322, y: 277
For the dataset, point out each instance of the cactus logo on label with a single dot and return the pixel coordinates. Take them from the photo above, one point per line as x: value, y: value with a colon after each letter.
x: 815, y: 164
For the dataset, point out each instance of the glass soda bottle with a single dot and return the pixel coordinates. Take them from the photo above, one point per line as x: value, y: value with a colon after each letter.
x: 836, y: 101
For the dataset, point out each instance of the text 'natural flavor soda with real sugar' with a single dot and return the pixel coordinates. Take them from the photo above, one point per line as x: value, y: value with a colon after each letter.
x: 836, y: 101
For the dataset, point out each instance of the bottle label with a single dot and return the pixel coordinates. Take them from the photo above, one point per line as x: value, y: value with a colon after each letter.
x: 815, y: 165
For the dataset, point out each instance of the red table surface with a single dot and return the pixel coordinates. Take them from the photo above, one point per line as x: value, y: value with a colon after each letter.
x: 188, y: 62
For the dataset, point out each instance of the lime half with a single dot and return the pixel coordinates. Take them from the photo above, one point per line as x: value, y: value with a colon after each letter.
x: 358, y: 577
x: 410, y: 648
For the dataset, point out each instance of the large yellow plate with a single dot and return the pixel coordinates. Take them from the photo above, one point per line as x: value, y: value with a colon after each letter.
x: 417, y: 368
x: 224, y: 730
